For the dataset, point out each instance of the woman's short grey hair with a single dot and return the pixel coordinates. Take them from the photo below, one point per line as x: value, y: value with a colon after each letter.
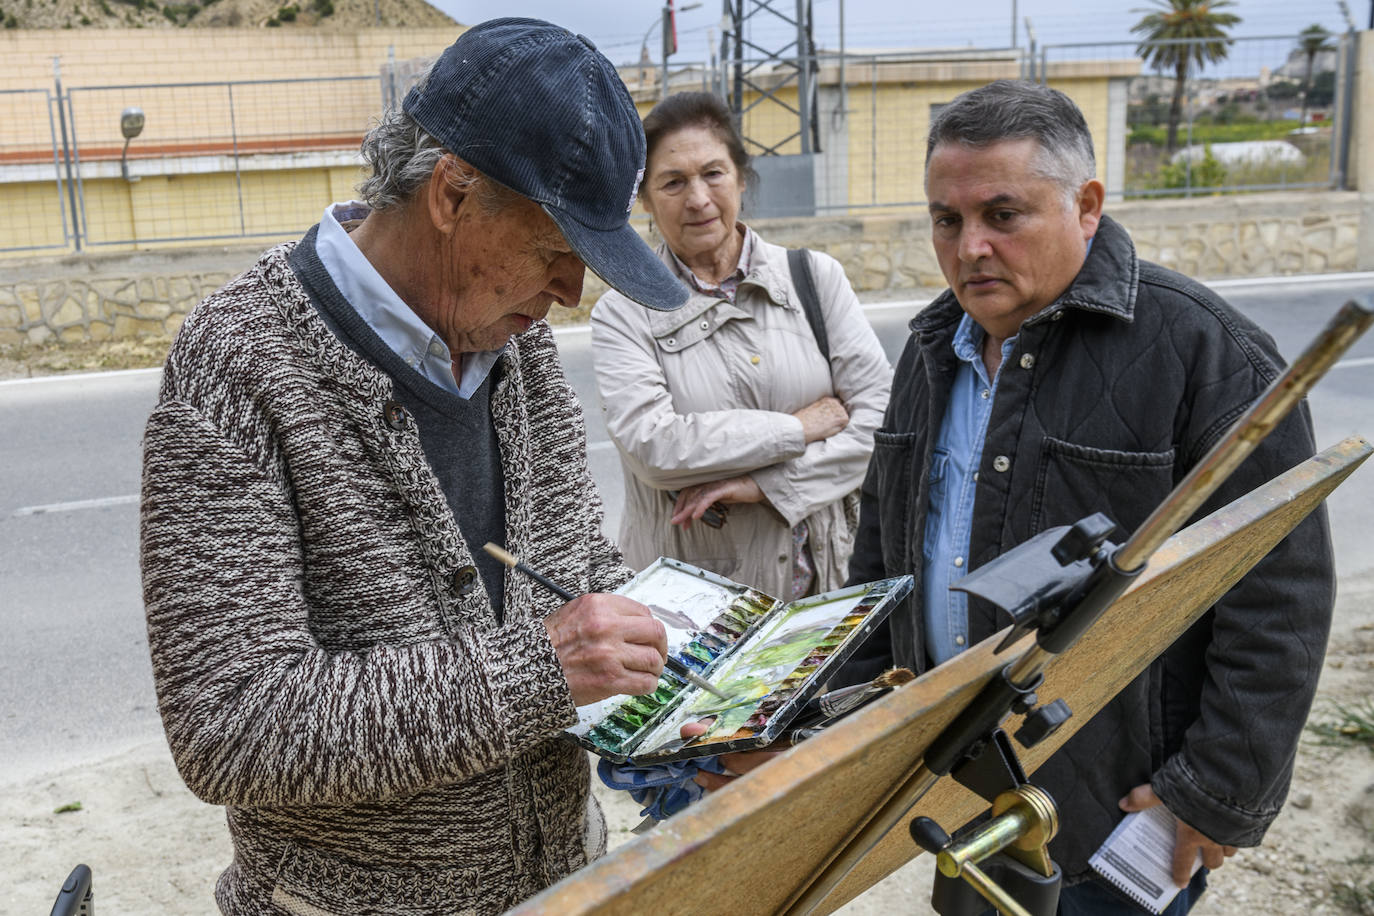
x: 1017, y: 110
x: 401, y: 156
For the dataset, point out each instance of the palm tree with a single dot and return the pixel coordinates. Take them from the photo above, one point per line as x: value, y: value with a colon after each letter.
x: 1311, y: 41
x: 1207, y: 42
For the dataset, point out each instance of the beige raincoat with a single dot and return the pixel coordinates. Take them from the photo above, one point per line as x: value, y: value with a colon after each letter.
x: 708, y: 391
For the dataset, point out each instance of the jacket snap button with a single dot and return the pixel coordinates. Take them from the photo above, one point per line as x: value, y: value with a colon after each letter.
x: 1001, y: 463
x: 671, y: 341
x: 706, y: 325
x: 958, y: 640
x: 394, y: 415
x: 1027, y: 361
x: 754, y: 359
x: 465, y: 580
x: 1057, y: 315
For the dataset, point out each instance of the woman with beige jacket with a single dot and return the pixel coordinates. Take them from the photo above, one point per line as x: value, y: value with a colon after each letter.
x: 743, y: 450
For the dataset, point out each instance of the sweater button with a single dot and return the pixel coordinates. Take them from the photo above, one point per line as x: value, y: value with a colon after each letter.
x: 1001, y: 463
x: 465, y: 580
x: 394, y: 415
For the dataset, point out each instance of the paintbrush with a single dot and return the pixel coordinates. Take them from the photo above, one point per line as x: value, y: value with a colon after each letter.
x: 671, y: 663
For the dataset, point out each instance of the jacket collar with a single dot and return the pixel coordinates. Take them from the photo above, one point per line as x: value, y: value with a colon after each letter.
x: 1106, y: 284
x: 768, y: 271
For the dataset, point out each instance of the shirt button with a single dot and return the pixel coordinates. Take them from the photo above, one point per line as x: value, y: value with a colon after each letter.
x: 465, y: 580
x: 958, y: 640
x: 705, y: 325
x: 975, y: 476
x: 1001, y: 463
x: 436, y: 347
x: 1057, y: 315
x: 986, y: 394
x: 754, y: 359
x: 1027, y: 361
x: 394, y: 415
x: 958, y: 561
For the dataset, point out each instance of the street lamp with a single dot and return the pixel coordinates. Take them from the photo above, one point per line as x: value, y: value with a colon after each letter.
x: 130, y: 125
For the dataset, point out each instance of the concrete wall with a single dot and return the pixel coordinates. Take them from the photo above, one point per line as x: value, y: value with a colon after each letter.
x: 99, y: 297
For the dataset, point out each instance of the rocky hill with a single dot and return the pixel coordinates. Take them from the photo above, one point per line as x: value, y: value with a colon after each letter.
x: 195, y: 14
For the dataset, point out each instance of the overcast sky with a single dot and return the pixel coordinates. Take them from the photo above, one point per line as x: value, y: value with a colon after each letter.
x: 618, y: 26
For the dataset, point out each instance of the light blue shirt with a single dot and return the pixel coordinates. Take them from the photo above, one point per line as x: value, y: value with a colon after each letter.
x: 953, y: 478
x: 391, y: 319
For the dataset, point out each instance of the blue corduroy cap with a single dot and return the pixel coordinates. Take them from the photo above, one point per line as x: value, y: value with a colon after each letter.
x: 540, y: 110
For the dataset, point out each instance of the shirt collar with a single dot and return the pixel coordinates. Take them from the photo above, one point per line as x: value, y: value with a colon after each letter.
x: 385, y: 313
x: 727, y: 287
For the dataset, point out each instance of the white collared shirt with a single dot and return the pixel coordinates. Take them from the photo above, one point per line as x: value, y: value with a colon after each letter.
x: 390, y: 318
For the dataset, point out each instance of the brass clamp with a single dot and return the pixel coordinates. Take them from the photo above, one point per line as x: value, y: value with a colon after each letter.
x: 1024, y: 820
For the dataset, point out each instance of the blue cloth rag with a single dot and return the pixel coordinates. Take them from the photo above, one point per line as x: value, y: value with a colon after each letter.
x: 663, y: 789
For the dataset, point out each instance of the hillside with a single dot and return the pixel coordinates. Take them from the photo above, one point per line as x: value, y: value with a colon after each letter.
x: 194, y: 14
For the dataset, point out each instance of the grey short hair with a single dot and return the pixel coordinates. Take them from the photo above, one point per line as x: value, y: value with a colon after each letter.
x: 1019, y: 110
x: 401, y: 156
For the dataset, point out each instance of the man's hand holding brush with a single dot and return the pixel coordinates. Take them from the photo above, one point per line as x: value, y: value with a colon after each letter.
x: 608, y: 645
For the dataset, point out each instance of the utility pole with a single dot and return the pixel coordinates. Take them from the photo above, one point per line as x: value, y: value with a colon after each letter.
x: 1013, y: 23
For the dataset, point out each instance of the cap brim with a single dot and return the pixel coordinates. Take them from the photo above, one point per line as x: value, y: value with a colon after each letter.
x: 620, y: 257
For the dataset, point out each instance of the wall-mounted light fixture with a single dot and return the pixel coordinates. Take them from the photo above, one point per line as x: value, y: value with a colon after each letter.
x: 130, y: 125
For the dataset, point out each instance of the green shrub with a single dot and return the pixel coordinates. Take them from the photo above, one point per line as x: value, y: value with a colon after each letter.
x: 1208, y: 173
x: 288, y: 13
x: 273, y: 23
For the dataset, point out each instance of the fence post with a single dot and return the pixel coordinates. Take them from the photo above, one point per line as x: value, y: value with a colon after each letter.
x: 66, y: 149
x: 238, y: 175
x: 1345, y: 91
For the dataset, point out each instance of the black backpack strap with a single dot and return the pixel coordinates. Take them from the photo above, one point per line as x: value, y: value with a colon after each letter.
x: 799, y: 261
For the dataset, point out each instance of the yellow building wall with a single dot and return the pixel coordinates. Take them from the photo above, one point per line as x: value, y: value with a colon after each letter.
x: 104, y: 57
x: 327, y: 106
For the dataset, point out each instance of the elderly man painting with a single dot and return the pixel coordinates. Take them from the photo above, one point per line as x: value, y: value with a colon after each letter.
x: 339, y: 430
x: 1060, y: 375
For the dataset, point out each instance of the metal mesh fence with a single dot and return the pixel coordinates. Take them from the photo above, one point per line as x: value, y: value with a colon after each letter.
x: 30, y: 174
x: 216, y: 160
x: 832, y: 135
x: 1262, y: 115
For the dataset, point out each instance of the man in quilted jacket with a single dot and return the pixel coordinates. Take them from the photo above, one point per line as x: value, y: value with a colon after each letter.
x: 1058, y: 376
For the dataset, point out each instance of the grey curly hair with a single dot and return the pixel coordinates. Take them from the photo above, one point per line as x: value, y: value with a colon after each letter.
x: 401, y: 156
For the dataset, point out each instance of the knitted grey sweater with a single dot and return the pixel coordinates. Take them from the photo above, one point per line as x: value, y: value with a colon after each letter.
x: 324, y: 666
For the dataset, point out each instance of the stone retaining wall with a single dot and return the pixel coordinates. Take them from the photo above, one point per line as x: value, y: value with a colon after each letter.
x: 103, y: 297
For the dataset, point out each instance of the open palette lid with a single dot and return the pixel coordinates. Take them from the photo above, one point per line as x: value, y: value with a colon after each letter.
x: 769, y: 657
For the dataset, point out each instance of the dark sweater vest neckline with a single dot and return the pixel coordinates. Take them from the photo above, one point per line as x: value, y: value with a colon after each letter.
x: 457, y: 435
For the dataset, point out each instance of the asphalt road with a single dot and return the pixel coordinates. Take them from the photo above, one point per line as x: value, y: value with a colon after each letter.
x: 75, y: 683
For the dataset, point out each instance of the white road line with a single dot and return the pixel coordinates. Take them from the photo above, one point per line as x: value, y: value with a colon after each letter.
x: 80, y: 376
x: 1355, y: 363
x: 78, y: 504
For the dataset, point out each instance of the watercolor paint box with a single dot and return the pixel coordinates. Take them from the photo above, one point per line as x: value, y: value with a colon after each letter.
x: 768, y: 656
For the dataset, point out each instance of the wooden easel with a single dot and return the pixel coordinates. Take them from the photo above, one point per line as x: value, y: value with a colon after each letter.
x: 785, y: 821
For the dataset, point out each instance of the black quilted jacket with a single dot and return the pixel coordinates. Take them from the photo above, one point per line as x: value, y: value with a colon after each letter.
x: 1111, y: 394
